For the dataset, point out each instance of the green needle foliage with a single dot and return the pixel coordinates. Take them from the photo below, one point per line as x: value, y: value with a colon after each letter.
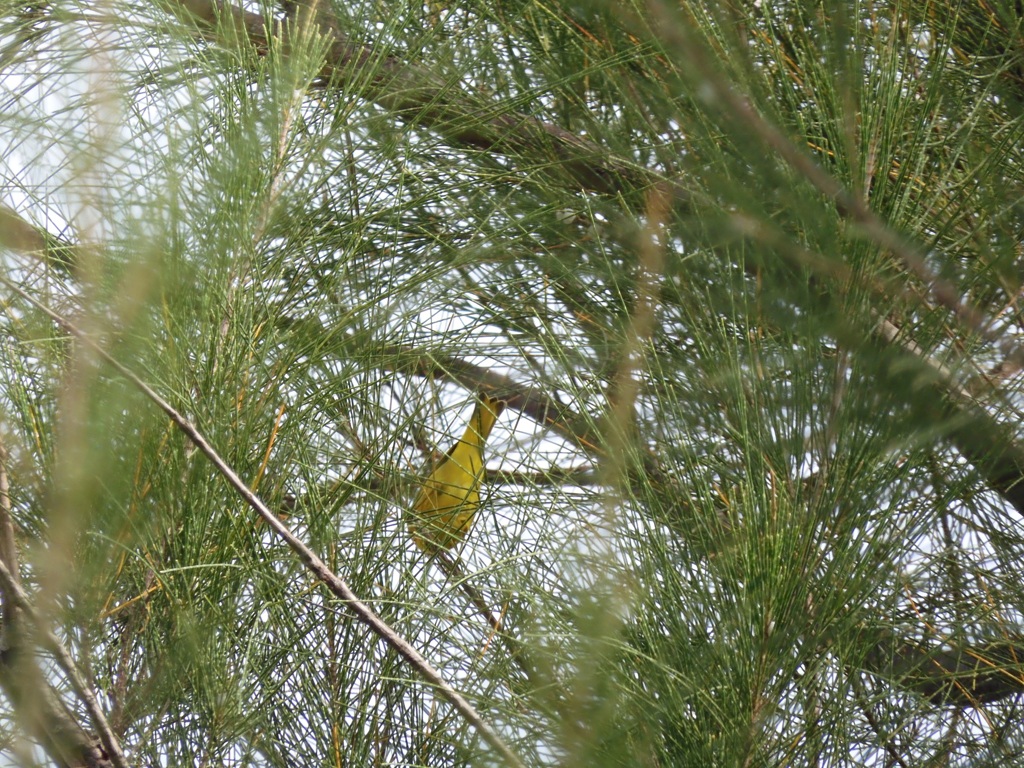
x: 747, y: 274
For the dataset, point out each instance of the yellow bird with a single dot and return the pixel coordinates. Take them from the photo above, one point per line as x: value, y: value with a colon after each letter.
x: 444, y: 509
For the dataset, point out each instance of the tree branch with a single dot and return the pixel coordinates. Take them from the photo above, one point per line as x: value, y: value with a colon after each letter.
x: 935, y: 397
x: 414, y: 92
x: 963, y: 676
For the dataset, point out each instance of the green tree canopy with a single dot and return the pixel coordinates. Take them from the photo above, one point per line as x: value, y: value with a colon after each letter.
x: 746, y: 274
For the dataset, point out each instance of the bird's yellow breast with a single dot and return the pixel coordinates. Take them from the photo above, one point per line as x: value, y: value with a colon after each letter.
x: 444, y: 508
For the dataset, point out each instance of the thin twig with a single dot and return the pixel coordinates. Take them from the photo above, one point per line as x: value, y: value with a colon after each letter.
x: 861, y: 699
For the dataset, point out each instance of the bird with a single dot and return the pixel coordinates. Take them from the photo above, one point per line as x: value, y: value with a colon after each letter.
x: 448, y: 500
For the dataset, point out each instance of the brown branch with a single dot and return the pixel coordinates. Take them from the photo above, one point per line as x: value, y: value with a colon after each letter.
x: 935, y: 397
x: 963, y: 676
x: 413, y: 92
x: 19, y: 235
x: 530, y: 401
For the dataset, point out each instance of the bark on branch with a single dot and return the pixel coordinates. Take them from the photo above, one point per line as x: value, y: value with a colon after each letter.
x: 963, y: 676
x: 413, y: 92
